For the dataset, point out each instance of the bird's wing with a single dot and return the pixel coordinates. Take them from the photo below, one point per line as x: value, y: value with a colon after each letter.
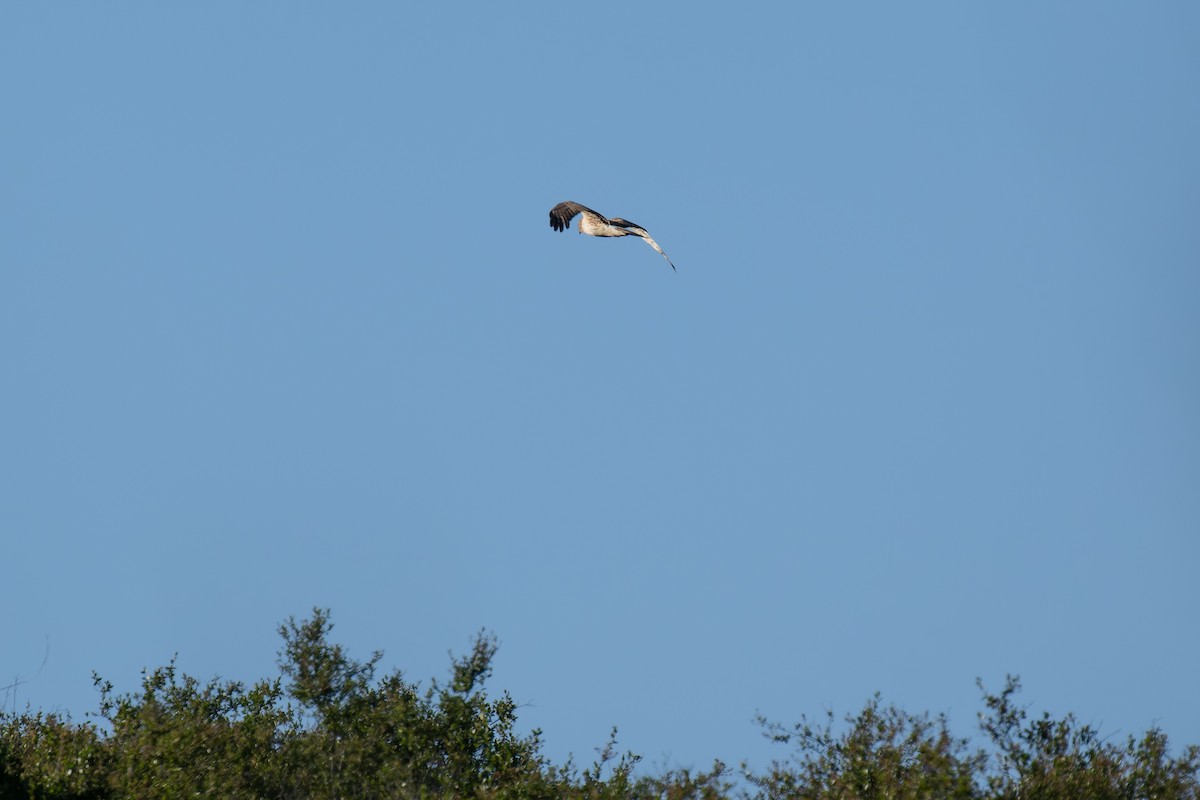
x: 562, y: 214
x: 638, y: 230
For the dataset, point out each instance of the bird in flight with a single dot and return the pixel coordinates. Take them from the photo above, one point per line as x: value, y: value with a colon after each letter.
x: 594, y: 224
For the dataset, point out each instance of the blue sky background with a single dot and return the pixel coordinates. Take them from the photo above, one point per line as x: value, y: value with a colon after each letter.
x: 283, y: 324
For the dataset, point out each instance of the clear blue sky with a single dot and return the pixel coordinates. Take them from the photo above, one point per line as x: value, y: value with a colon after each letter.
x: 283, y: 324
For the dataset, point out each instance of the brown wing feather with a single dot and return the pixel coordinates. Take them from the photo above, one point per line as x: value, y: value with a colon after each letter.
x: 562, y: 214
x: 640, y: 231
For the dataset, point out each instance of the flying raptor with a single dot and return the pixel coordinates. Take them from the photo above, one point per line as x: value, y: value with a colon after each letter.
x: 594, y: 224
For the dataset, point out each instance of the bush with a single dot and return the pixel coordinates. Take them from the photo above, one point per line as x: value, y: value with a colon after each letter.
x: 329, y: 727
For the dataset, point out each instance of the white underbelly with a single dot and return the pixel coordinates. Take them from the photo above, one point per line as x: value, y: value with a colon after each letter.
x: 594, y: 227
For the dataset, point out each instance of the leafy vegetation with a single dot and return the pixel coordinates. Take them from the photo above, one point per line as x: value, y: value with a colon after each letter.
x: 330, y: 727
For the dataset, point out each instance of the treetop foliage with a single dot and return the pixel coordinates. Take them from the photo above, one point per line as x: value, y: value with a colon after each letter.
x: 329, y: 727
